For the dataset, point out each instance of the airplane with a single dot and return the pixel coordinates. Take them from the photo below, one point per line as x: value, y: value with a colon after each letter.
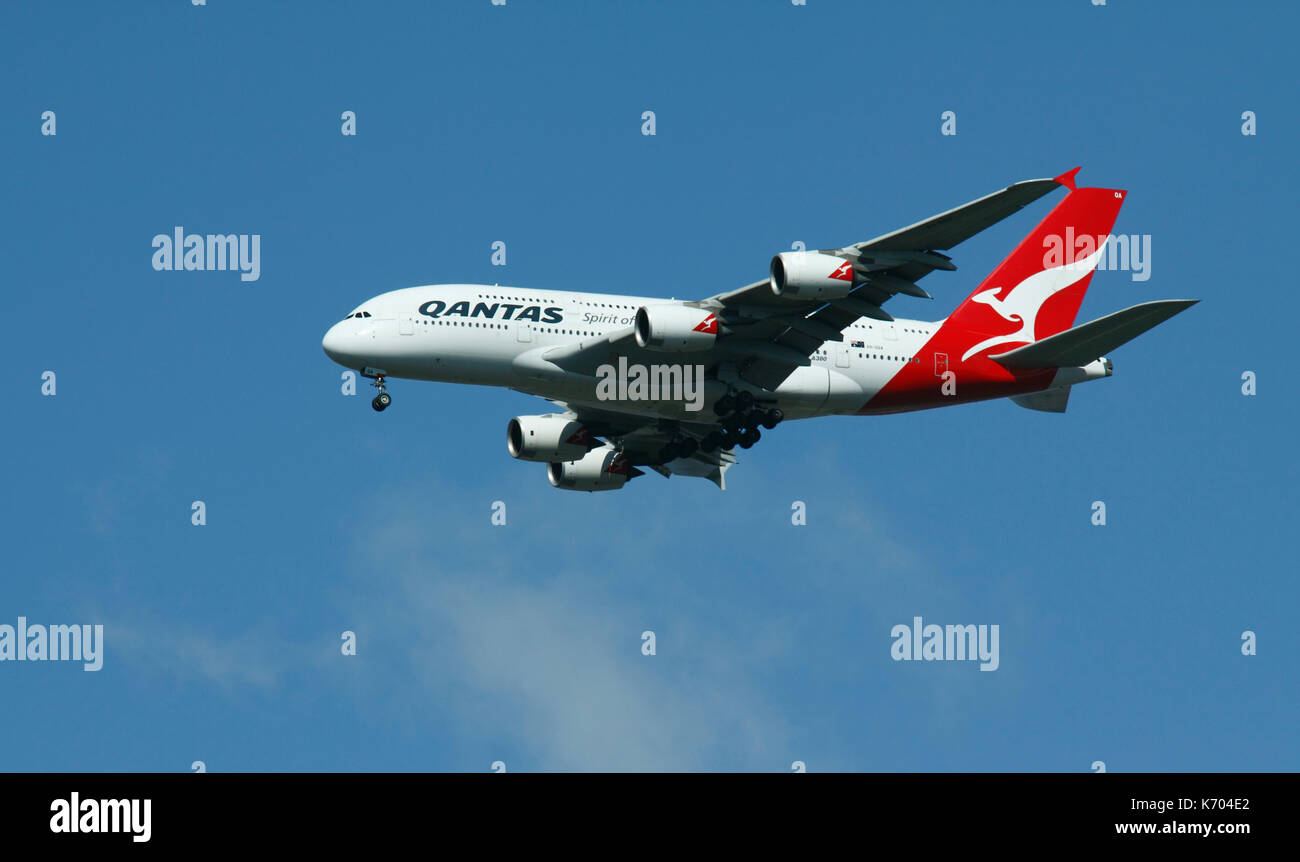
x: 676, y: 386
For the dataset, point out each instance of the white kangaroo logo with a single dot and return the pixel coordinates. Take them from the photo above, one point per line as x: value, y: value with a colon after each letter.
x: 1022, y: 302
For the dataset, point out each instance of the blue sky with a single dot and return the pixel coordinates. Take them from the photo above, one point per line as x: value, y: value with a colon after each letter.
x: 521, y: 643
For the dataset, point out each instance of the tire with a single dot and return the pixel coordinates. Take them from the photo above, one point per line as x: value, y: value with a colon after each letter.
x: 724, y: 405
x: 744, y: 400
x: 772, y: 418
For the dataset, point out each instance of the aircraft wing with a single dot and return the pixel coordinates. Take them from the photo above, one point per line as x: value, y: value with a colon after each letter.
x: 641, y: 439
x: 583, y: 357
x: 778, y: 331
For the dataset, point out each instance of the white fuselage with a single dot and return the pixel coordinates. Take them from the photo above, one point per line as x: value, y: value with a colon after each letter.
x: 499, y: 336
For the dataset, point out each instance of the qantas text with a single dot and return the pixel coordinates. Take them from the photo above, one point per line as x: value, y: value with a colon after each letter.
x: 438, y: 308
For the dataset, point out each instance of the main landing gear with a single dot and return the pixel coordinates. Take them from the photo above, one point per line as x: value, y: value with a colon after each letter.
x: 738, y: 425
x: 381, y: 401
x: 740, y: 418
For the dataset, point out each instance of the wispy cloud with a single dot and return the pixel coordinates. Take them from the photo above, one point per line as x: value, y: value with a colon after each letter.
x: 257, y: 657
x: 526, y: 639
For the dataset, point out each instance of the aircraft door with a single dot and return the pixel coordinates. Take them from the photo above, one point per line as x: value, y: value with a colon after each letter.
x: 841, y: 356
x: 405, y: 324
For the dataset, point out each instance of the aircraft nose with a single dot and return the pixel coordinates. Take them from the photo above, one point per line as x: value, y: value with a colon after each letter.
x: 333, y: 343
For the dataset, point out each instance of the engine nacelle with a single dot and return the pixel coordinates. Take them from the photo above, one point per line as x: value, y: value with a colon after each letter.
x: 675, y: 328
x: 603, y: 469
x: 811, y: 275
x: 549, y: 437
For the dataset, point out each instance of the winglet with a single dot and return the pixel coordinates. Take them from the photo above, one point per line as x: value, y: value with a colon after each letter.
x: 1067, y: 179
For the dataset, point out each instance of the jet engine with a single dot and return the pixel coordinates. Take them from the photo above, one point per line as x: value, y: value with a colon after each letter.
x: 675, y: 328
x: 811, y: 275
x: 603, y: 469
x: 549, y: 437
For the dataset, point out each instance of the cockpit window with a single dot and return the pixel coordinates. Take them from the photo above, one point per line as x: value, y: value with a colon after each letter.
x: 357, y: 314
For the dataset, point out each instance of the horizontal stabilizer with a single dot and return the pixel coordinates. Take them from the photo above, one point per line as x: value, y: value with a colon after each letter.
x: 1090, y: 341
x: 1051, y: 401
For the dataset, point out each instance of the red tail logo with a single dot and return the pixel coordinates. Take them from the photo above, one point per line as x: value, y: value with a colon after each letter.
x: 708, y: 324
x: 1034, y: 293
x: 844, y: 272
x: 1037, y: 290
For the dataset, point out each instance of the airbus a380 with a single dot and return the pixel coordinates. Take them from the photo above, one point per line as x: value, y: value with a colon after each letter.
x: 676, y: 386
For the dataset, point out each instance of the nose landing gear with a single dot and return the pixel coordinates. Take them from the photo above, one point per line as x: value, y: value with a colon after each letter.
x: 381, y: 401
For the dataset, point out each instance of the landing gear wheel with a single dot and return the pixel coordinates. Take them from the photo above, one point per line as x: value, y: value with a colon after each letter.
x: 754, y: 418
x: 750, y: 437
x: 711, y: 441
x: 734, y: 422
x: 744, y: 400
x: 668, y: 453
x: 729, y: 440
x: 383, y: 399
x: 724, y: 405
x: 772, y: 418
x: 686, y: 447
